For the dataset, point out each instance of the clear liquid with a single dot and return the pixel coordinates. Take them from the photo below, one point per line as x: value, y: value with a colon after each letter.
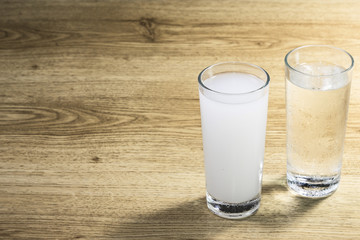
x: 316, y: 121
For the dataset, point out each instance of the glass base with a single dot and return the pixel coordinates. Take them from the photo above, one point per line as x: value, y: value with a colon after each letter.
x: 233, y: 210
x: 312, y: 186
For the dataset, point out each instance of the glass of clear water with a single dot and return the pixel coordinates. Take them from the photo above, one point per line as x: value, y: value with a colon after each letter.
x: 233, y: 103
x: 318, y: 80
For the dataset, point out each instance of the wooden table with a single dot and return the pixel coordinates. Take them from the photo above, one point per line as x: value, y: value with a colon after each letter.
x: 100, y: 134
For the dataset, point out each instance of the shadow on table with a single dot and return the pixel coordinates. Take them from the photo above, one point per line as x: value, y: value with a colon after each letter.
x: 279, y: 207
x: 192, y: 220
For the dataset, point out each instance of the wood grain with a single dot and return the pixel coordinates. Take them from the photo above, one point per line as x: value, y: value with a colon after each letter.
x: 100, y: 134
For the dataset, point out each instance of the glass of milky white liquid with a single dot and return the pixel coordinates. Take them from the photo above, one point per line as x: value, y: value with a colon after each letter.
x: 233, y: 103
x: 318, y: 82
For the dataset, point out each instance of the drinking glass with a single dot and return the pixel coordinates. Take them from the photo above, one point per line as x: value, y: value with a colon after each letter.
x: 318, y: 79
x: 233, y: 103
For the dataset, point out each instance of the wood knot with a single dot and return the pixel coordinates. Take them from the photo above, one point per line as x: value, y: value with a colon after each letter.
x: 96, y: 159
x: 149, y: 26
x: 79, y: 237
x: 268, y: 43
x: 35, y: 66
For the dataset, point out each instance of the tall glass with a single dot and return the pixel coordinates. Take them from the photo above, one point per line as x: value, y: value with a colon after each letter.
x: 318, y: 80
x: 233, y: 103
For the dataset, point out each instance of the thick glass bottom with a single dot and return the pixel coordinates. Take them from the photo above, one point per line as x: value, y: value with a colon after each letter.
x: 233, y: 210
x: 312, y: 186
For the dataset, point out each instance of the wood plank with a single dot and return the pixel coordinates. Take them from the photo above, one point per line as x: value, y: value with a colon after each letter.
x: 100, y: 134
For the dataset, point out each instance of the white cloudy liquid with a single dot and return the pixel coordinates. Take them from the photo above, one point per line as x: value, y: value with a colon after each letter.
x: 234, y: 130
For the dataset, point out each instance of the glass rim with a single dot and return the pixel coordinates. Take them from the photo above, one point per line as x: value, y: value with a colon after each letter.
x: 266, y: 83
x: 323, y: 46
